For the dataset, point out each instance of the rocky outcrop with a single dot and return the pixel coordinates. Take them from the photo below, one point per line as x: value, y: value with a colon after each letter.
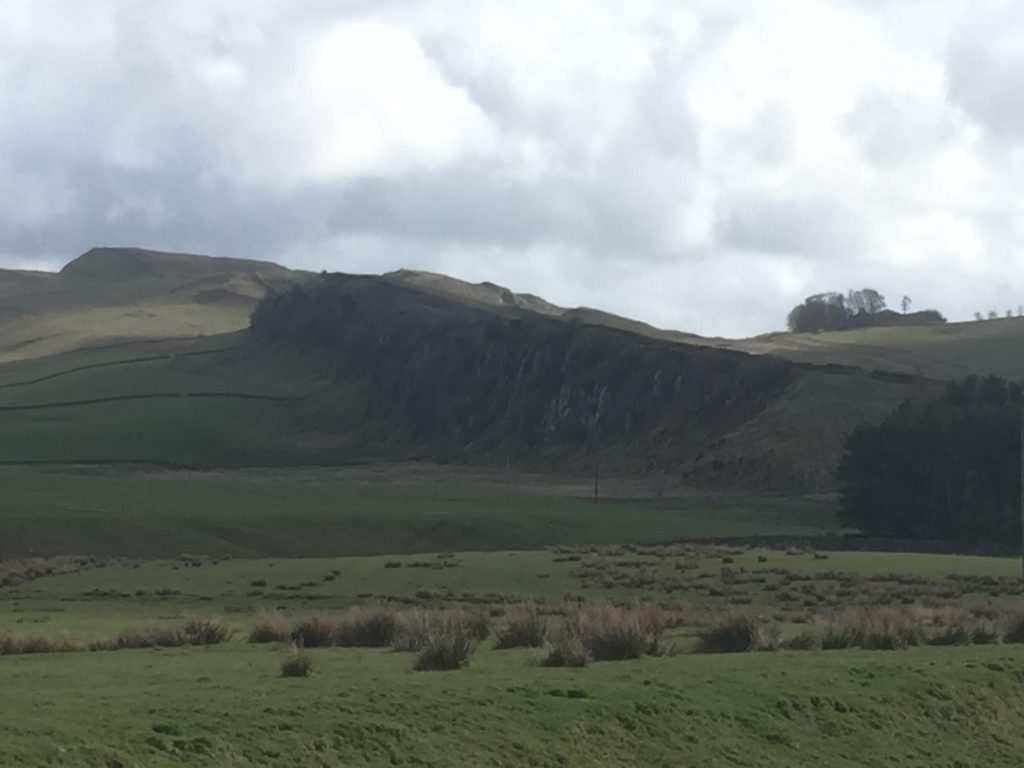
x: 419, y: 373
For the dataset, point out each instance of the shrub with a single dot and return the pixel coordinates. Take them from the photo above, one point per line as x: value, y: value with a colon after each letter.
x: 448, y: 645
x: 612, y: 633
x: 270, y: 628
x: 737, y: 634
x: 1014, y: 632
x: 314, y: 632
x: 33, y: 644
x: 889, y: 630
x: 523, y: 628
x: 567, y: 650
x: 958, y: 631
x: 147, y: 637
x: 413, y: 628
x: 298, y: 663
x: 478, y: 624
x: 986, y: 633
x: 207, y: 632
x: 873, y: 629
x: 365, y: 627
x: 839, y: 635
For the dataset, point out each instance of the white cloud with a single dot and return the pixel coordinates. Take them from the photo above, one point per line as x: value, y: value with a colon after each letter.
x: 700, y: 166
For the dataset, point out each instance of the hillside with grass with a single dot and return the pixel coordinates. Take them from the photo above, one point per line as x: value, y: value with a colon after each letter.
x: 363, y: 529
x: 133, y: 356
x: 111, y: 295
x: 412, y: 367
x: 937, y: 351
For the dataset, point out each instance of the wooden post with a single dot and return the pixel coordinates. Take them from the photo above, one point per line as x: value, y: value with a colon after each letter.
x: 597, y: 480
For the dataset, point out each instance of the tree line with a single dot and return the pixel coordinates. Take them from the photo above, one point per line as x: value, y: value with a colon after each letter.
x: 835, y: 311
x: 946, y: 468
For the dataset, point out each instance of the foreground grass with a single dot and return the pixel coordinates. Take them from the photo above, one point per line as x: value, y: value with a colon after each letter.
x: 230, y: 706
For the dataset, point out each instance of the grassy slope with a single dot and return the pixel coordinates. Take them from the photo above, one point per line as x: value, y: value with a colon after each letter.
x: 115, y: 294
x: 213, y: 428
x: 332, y: 512
x: 935, y: 351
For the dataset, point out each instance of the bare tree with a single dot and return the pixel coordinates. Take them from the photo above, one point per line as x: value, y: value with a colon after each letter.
x: 905, y: 304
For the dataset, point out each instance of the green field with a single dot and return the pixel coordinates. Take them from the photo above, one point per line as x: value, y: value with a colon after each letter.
x: 108, y: 525
x: 228, y: 704
x: 105, y: 596
x: 229, y: 707
x: 361, y: 510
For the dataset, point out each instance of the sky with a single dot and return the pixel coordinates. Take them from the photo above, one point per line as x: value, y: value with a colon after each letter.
x: 701, y: 165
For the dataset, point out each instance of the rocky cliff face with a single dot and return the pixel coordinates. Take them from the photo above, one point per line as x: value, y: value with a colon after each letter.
x: 418, y: 373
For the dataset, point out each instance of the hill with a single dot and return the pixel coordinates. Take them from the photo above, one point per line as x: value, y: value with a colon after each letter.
x: 110, y: 295
x: 129, y: 355
x: 938, y: 351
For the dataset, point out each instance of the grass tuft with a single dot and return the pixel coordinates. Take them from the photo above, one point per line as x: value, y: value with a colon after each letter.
x: 449, y: 643
x: 271, y: 628
x: 523, y: 627
x: 298, y: 663
x: 738, y: 634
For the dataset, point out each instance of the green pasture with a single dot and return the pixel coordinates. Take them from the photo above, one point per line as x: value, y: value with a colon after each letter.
x: 228, y: 706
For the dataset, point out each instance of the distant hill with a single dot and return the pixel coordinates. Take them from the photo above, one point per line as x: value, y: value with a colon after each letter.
x: 116, y: 294
x: 144, y: 356
x: 938, y: 351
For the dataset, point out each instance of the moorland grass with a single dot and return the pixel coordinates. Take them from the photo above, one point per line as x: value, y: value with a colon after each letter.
x: 367, y: 706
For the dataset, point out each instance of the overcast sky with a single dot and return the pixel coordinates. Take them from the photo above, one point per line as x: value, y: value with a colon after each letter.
x: 701, y: 165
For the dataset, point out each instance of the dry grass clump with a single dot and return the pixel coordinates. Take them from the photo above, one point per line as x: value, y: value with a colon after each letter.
x: 888, y: 629
x: 953, y: 627
x: 873, y: 629
x: 372, y: 627
x: 606, y: 632
x: 297, y: 663
x: 144, y: 637
x: 738, y: 634
x: 193, y: 632
x: 523, y: 627
x: 314, y: 632
x: 271, y: 628
x: 1014, y: 630
x: 207, y: 631
x: 414, y: 628
x: 33, y: 644
x: 567, y: 649
x: 448, y: 644
x: 360, y: 627
x: 615, y: 633
x: 986, y: 633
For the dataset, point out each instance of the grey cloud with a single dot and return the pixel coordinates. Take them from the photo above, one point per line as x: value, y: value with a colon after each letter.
x: 808, y: 228
x: 985, y: 75
x: 626, y: 192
